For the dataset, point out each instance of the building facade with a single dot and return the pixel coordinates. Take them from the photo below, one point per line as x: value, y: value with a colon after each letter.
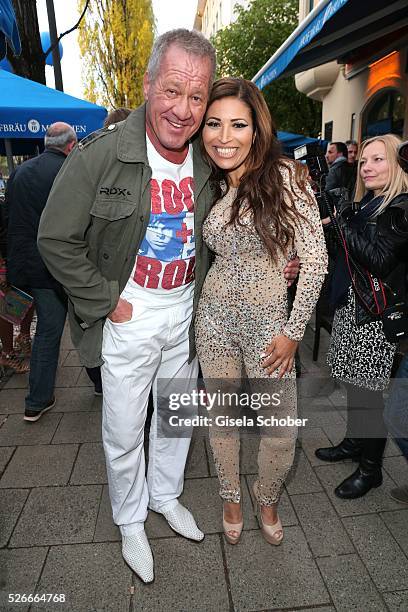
x: 213, y: 15
x: 365, y: 96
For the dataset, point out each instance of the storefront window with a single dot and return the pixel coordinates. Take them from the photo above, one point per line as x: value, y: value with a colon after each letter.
x: 384, y: 115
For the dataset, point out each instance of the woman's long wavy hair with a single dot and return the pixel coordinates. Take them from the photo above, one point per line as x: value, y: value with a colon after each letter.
x: 261, y: 189
x: 397, y: 179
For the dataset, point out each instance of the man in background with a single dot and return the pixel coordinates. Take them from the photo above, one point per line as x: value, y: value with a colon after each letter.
x: 340, y: 176
x: 352, y: 158
x: 352, y: 151
x: 27, y: 193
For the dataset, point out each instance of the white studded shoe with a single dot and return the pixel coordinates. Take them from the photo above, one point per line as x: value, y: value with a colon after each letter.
x: 182, y: 521
x: 137, y: 553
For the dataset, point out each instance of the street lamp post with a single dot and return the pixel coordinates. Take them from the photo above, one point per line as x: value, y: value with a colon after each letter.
x: 55, y: 52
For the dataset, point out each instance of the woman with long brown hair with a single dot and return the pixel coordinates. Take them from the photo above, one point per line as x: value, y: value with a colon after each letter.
x: 264, y: 213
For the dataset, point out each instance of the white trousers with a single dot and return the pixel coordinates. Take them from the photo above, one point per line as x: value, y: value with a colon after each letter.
x: 149, y: 350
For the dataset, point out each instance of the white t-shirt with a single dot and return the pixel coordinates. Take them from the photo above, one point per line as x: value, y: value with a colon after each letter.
x: 166, y: 259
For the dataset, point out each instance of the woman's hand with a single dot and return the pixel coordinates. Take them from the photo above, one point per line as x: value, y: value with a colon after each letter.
x: 280, y: 353
x: 291, y: 270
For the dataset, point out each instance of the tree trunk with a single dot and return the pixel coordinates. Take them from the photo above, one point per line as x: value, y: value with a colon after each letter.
x: 31, y: 62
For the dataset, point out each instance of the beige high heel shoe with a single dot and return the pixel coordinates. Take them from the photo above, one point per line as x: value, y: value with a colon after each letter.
x: 273, y: 534
x: 232, y: 531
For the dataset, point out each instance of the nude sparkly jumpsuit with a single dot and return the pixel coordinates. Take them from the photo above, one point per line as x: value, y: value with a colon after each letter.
x: 243, y: 306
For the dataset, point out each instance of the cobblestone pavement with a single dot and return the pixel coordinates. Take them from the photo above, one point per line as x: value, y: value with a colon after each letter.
x: 57, y: 535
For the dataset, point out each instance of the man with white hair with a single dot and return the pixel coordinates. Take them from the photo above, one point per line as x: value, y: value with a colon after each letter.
x: 27, y: 193
x: 106, y: 201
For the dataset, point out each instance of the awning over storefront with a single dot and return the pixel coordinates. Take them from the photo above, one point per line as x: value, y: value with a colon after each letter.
x: 332, y: 30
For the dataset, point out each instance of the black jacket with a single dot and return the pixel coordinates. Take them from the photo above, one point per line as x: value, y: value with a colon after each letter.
x: 27, y: 193
x: 341, y: 175
x: 381, y: 247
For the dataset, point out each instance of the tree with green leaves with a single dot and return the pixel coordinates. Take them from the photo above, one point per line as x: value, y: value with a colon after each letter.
x: 115, y: 40
x: 245, y: 46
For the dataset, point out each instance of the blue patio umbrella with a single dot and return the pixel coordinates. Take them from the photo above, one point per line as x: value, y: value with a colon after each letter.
x: 8, y: 29
x: 27, y: 109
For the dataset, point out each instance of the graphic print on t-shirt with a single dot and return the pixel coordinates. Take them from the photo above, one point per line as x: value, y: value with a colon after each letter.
x: 166, y: 258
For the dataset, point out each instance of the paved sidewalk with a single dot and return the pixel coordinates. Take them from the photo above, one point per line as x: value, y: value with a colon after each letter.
x: 57, y: 535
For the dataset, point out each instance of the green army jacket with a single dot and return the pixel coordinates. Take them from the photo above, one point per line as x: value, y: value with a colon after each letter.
x: 95, y: 219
